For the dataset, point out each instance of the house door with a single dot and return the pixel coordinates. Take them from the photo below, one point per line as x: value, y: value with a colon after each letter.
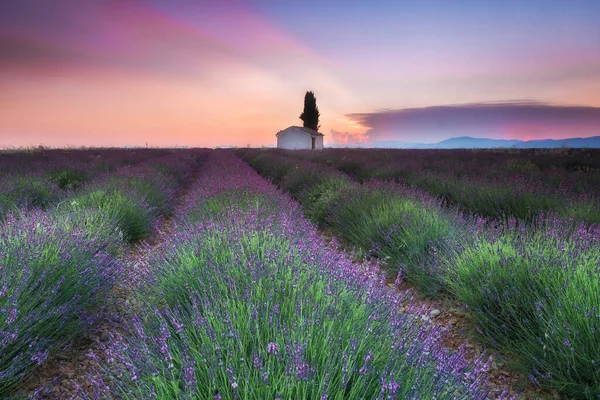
x: 312, y: 139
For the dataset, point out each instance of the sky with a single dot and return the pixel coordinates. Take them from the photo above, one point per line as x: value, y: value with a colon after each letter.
x: 232, y: 72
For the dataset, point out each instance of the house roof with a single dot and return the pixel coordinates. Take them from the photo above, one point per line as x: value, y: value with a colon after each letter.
x: 307, y: 130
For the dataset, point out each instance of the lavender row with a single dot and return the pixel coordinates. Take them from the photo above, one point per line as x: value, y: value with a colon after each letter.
x: 137, y: 196
x: 58, y: 268
x: 40, y: 179
x: 22, y: 161
x: 251, y: 303
x: 532, y: 291
x: 563, y: 171
x: 54, y: 278
x: 499, y: 184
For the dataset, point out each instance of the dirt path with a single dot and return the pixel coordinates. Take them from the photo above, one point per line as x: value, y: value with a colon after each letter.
x: 74, y: 370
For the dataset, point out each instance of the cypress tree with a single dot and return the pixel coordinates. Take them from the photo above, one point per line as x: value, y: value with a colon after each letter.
x: 310, y: 115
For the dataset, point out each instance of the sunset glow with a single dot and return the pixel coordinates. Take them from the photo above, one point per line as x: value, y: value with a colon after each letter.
x: 114, y: 73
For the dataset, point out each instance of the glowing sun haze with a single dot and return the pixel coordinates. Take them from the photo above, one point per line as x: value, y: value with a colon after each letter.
x: 208, y: 73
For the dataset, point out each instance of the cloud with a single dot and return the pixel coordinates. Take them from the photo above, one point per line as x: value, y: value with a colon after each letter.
x: 129, y: 37
x: 348, y: 137
x: 508, y: 119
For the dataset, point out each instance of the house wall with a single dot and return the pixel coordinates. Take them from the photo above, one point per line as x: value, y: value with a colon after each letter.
x: 295, y: 140
x: 319, y: 143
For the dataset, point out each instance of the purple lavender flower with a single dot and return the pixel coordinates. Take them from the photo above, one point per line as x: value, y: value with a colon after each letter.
x: 272, y: 348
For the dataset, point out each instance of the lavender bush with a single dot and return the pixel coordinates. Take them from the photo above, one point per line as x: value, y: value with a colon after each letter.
x: 136, y: 197
x: 68, y: 178
x: 53, y: 281
x: 398, y: 227
x: 536, y: 294
x: 27, y: 191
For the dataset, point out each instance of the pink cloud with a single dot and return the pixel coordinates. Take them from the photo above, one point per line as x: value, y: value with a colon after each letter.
x: 112, y: 35
x: 509, y: 119
x: 348, y: 137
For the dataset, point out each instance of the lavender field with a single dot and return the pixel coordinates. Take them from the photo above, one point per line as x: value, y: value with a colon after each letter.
x: 267, y: 274
x: 512, y: 235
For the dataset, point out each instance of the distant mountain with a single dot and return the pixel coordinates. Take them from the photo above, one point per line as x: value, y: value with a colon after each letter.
x: 591, y: 142
x: 467, y: 142
x: 470, y: 142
